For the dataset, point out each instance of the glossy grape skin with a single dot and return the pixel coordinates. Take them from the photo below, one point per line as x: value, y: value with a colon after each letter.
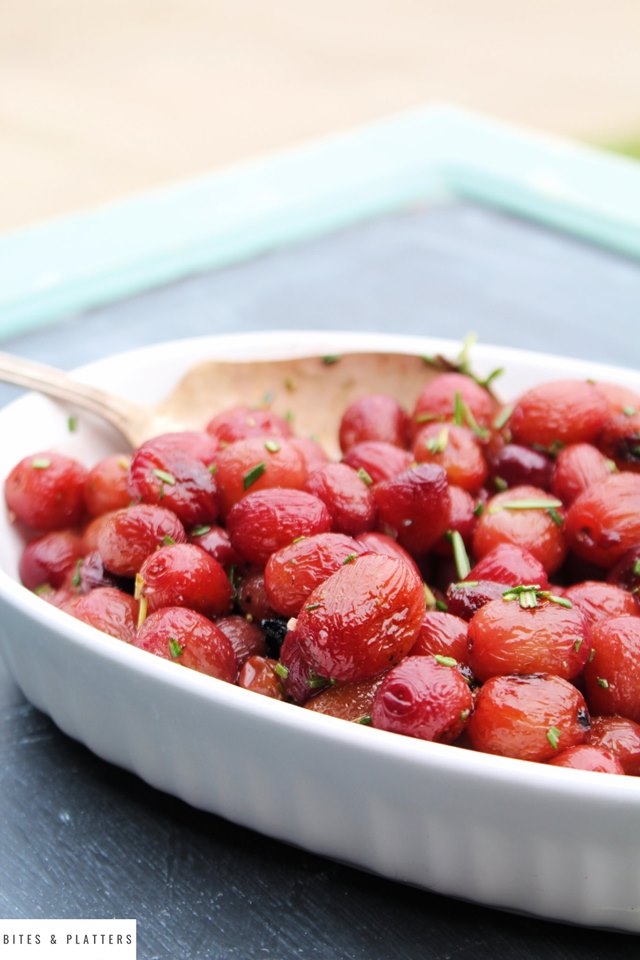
x: 255, y: 464
x: 558, y: 412
x: 183, y: 575
x: 462, y: 518
x: 601, y: 601
x: 50, y: 559
x: 379, y: 460
x: 505, y: 638
x: 347, y: 497
x: 216, y: 542
x: 523, y: 717
x: 258, y: 674
x: 301, y: 680
x: 625, y: 572
x: 266, y: 520
x: 620, y: 437
x: 376, y: 416
x: 586, y: 756
x: 604, y: 521
x: 251, y: 596
x: 415, y: 506
x: 91, y: 573
x: 312, y: 453
x: 348, y: 701
x: 294, y: 571
x: 128, y: 536
x: 189, y: 639
x: 91, y: 531
x: 375, y: 542
x: 578, y: 467
x: 46, y: 491
x: 423, y: 698
x: 175, y: 480
x: 456, y: 450
x: 105, y: 488
x: 509, y: 564
x: 241, y: 422
x: 444, y: 634
x: 438, y: 400
x: 107, y: 609
x: 247, y: 639
x: 534, y: 530
x: 516, y: 465
x: 196, y: 444
x: 467, y: 596
x: 362, y: 619
x: 621, y: 737
x: 612, y: 673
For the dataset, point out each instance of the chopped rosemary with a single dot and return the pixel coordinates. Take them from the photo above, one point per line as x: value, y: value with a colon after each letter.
x: 267, y: 398
x: 253, y: 474
x: 364, y: 476
x: 164, y: 476
x: 458, y: 409
x: 72, y: 424
x: 577, y: 643
x: 40, y: 463
x: 629, y: 411
x: 272, y: 446
x: 441, y: 606
x: 528, y: 595
x: 315, y: 681
x: 553, y: 736
x: 438, y: 444
x: 500, y: 484
x: 168, y: 541
x: 142, y: 611
x: 365, y: 720
x: 75, y: 580
x: 200, y: 530
x: 478, y: 509
x: 461, y: 560
x: 555, y: 516
x: 602, y: 682
x: 533, y: 504
x: 174, y: 648
x: 502, y: 418
x: 281, y: 671
x: 429, y: 597
x: 313, y: 606
x: 330, y: 359
x: 298, y: 539
x: 636, y: 568
x: 445, y: 661
x: 349, y: 559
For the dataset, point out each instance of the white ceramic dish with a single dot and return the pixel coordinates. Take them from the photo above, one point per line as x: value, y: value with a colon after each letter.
x: 556, y: 843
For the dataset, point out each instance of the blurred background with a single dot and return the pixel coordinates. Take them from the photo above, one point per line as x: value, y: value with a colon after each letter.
x: 100, y: 99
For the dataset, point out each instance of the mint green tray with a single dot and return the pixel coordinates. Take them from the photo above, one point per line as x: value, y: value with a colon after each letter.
x: 65, y: 266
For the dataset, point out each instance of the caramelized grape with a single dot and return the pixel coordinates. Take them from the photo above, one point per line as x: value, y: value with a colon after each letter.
x: 529, y: 718
x: 362, y: 619
x: 46, y: 491
x: 422, y: 697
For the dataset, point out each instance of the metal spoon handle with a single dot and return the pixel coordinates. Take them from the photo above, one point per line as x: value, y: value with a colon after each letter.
x: 55, y: 383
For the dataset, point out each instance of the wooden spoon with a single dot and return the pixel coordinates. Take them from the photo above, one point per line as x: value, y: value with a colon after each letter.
x: 315, y: 389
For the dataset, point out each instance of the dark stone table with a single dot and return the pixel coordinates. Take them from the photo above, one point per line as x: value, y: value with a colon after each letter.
x: 80, y: 838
